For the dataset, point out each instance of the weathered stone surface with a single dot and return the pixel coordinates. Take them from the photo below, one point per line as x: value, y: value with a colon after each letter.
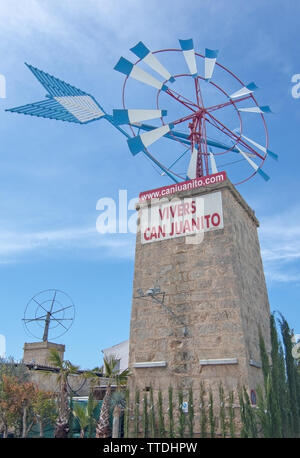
x: 39, y: 352
x: 218, y: 290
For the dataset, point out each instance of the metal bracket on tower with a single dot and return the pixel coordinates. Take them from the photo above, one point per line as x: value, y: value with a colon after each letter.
x: 154, y: 294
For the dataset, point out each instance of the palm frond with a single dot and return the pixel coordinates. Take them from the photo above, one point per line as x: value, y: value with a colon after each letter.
x: 82, y: 415
x: 121, y: 379
x: 71, y: 368
x: 118, y: 398
x: 55, y: 359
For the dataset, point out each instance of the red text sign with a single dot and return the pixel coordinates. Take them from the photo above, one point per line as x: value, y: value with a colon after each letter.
x: 167, y: 219
x: 184, y: 186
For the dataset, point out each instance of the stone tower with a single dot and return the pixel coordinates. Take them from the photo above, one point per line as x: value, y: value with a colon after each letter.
x: 38, y: 352
x: 207, y: 329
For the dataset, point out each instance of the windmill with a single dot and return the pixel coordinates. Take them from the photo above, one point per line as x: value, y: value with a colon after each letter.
x: 48, y: 315
x: 199, y: 118
x: 202, y: 106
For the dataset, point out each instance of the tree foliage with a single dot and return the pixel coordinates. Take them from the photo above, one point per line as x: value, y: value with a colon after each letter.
x: 113, y: 376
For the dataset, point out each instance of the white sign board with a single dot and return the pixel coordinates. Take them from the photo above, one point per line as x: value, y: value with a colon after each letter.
x: 167, y: 219
x: 185, y: 407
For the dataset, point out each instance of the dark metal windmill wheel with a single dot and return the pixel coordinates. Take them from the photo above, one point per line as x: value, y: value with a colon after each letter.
x: 49, y: 314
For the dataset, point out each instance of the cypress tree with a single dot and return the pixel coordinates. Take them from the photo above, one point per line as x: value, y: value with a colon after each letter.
x: 171, y: 413
x: 181, y: 415
x: 161, y: 420
x: 274, y: 397
x: 203, y: 416
x: 222, y: 410
x: 292, y: 376
x: 250, y: 415
x: 231, y: 414
x: 244, y: 430
x: 263, y: 412
x: 264, y: 358
x: 191, y: 412
x: 268, y: 409
x: 297, y: 375
x: 136, y: 413
x: 212, y: 420
x: 284, y: 400
x: 145, y: 420
x: 152, y: 415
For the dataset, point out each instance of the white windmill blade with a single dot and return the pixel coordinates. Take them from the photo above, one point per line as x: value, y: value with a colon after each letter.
x: 138, y: 143
x: 133, y: 71
x: 262, y: 109
x: 188, y: 51
x: 192, y: 168
x: 144, y: 53
x: 251, y: 87
x: 83, y: 107
x: 253, y: 165
x: 238, y: 132
x: 209, y: 62
x: 135, y: 116
x: 261, y: 148
x: 213, y: 163
x: 251, y: 154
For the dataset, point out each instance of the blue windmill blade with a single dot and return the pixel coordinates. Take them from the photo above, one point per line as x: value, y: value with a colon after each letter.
x: 164, y: 170
x: 145, y: 55
x: 173, y: 135
x: 260, y: 110
x: 141, y: 142
x: 246, y: 90
x: 253, y: 165
x: 185, y: 138
x: 188, y: 51
x: 64, y: 102
x: 133, y: 71
x: 209, y: 62
x: 134, y: 116
x: 261, y: 148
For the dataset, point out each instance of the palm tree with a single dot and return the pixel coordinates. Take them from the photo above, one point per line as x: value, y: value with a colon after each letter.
x: 65, y: 368
x: 118, y: 405
x: 83, y: 415
x: 114, y: 376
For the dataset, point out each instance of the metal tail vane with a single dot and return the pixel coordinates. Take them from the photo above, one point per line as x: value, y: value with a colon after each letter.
x: 65, y: 102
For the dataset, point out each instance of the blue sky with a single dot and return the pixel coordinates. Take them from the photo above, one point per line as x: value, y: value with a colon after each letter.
x: 52, y: 174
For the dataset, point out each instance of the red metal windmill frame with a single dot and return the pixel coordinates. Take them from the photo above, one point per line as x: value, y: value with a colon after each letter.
x: 201, y: 115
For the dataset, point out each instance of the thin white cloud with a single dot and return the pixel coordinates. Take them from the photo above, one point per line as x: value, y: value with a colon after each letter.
x: 16, y: 246
x: 281, y: 277
x: 280, y: 243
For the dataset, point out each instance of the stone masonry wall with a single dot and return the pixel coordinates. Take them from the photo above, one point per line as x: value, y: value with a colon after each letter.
x: 218, y: 290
